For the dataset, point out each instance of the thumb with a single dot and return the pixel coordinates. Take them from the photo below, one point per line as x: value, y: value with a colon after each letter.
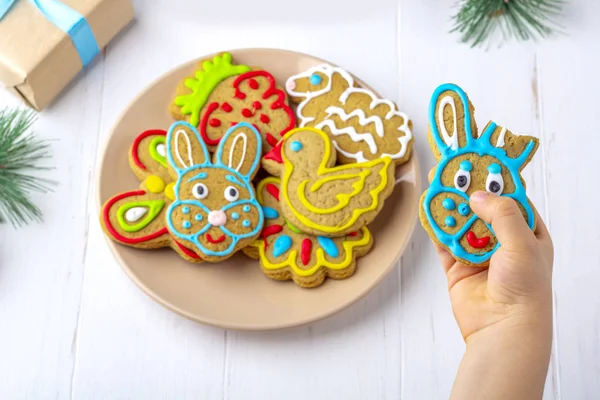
x: 506, y: 219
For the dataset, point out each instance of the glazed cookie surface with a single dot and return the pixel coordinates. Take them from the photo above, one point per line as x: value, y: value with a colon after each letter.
x: 362, y: 126
x: 467, y: 163
x: 215, y: 212
x: 221, y: 94
x: 324, y: 200
x: 137, y: 218
x: 285, y: 253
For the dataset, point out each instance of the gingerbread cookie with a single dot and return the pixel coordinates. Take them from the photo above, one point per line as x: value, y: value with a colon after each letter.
x: 324, y: 200
x: 361, y: 125
x: 137, y: 218
x: 467, y: 163
x: 222, y: 94
x: 286, y: 253
x: 215, y: 212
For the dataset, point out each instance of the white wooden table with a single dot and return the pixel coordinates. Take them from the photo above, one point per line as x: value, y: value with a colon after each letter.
x: 72, y: 325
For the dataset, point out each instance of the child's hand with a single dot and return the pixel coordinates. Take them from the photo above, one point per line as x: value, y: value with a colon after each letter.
x: 504, y: 312
x: 517, y: 286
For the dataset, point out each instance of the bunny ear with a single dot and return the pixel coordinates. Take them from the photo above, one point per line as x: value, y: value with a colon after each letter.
x: 451, y: 122
x: 521, y: 148
x: 185, y: 147
x: 240, y: 149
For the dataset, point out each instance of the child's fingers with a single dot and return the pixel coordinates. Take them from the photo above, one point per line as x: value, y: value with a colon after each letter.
x: 506, y: 219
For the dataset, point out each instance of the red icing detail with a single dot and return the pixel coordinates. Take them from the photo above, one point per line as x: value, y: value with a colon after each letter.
x: 353, y: 234
x: 214, y: 241
x: 214, y: 122
x: 264, y: 118
x: 273, y: 190
x: 187, y: 251
x: 247, y: 113
x: 275, y: 153
x: 226, y: 107
x: 138, y: 140
x: 272, y: 90
x: 233, y: 123
x: 478, y: 243
x: 239, y: 95
x: 209, y: 110
x: 270, y: 230
x: 253, y: 84
x: 256, y: 105
x: 271, y: 140
x: 306, y: 248
x: 113, y: 231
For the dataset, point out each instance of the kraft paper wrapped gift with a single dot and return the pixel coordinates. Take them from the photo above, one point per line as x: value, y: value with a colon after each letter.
x: 45, y: 43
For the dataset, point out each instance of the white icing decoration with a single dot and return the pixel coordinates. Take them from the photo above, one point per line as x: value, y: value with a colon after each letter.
x: 363, y: 121
x: 500, y: 141
x: 161, y: 149
x: 451, y: 141
x: 467, y: 174
x: 135, y: 213
x: 232, y: 149
x: 497, y: 178
x: 189, y: 148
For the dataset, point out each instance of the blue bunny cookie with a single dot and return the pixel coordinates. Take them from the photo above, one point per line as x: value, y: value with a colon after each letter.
x: 467, y: 163
x: 215, y: 212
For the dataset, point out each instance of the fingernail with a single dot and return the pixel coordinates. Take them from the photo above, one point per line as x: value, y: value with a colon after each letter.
x: 479, y: 197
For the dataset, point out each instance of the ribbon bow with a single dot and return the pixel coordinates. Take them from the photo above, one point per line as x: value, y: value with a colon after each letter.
x: 67, y: 20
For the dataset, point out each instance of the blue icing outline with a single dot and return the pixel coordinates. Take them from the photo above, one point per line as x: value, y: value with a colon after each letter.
x: 235, y: 177
x: 466, y: 166
x: 464, y: 209
x: 315, y: 79
x: 281, y: 245
x: 449, y: 204
x: 494, y: 168
x: 270, y: 213
x: 480, y: 146
x: 328, y: 245
x: 296, y: 146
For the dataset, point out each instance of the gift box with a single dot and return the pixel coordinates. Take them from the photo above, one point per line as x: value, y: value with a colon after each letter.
x: 45, y: 43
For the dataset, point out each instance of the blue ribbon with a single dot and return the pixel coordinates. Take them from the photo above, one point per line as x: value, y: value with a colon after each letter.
x: 67, y: 20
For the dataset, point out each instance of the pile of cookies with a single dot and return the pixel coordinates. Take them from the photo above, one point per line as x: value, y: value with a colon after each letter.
x: 240, y: 169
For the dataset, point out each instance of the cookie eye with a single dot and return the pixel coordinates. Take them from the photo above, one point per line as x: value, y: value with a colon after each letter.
x: 462, y: 179
x: 315, y: 79
x: 200, y: 190
x: 494, y: 182
x: 231, y: 193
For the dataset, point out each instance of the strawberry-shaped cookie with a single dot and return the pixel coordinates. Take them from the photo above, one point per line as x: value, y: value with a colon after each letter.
x: 223, y: 94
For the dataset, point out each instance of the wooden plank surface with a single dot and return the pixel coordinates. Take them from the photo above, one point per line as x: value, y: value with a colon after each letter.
x: 74, y: 326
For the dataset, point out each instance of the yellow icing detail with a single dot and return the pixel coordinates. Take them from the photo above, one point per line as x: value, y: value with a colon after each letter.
x: 155, y: 184
x: 323, y: 169
x: 169, y: 191
x: 321, y: 262
x: 342, y: 198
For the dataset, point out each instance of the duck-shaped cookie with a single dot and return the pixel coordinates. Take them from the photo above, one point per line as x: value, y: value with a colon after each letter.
x: 321, y: 199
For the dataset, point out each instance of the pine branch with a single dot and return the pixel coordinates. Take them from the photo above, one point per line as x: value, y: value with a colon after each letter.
x: 478, y: 21
x: 20, y: 151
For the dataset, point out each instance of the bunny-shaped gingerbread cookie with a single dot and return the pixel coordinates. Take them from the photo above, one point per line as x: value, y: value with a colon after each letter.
x: 215, y: 212
x: 468, y: 163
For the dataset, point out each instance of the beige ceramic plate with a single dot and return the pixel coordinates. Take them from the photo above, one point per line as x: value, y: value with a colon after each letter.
x: 235, y: 293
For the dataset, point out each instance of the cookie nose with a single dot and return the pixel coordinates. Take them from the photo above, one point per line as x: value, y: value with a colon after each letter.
x: 290, y: 85
x: 217, y: 218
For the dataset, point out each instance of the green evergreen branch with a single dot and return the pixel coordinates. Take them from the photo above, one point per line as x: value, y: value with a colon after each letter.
x: 477, y: 21
x: 20, y: 151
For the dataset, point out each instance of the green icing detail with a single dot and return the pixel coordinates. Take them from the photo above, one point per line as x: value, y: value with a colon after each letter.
x: 292, y: 227
x: 155, y: 207
x: 157, y: 157
x: 206, y: 80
